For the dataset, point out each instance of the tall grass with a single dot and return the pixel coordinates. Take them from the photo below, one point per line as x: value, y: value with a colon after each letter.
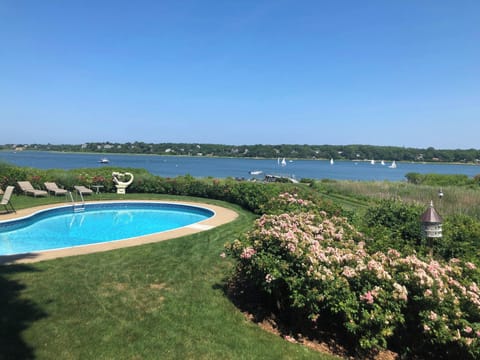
x: 455, y: 200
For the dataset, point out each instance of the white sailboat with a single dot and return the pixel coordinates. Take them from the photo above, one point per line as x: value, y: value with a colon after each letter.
x: 284, y: 163
x: 382, y: 162
x: 372, y: 162
x: 393, y: 166
x: 331, y: 161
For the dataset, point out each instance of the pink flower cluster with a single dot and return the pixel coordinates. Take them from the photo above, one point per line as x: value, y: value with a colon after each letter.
x: 269, y: 278
x: 369, y: 296
x: 248, y: 252
x: 288, y: 198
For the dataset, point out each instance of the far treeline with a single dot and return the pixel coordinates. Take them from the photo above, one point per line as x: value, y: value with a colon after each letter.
x: 337, y: 152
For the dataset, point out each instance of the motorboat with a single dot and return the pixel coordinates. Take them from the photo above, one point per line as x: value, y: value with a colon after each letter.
x: 104, y: 161
x: 256, y: 172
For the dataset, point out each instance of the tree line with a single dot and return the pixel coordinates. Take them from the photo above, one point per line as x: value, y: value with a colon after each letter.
x: 336, y: 152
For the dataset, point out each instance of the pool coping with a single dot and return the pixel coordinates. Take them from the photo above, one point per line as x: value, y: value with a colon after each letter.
x: 221, y: 216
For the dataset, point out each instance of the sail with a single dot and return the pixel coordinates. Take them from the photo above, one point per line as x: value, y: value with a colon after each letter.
x: 284, y: 163
x: 331, y: 161
x: 393, y: 166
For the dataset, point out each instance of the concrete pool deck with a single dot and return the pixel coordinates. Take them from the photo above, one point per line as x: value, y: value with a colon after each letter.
x: 222, y: 216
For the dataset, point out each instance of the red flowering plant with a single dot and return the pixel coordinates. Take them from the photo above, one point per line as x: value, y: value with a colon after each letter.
x: 98, y: 179
x: 36, y: 181
x: 84, y: 179
x: 89, y: 180
x: 4, y: 182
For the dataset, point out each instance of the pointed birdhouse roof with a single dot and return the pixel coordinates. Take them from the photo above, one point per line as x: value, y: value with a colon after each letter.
x: 431, y: 215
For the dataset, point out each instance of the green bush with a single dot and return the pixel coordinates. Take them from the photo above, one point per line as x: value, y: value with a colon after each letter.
x: 393, y: 224
x: 439, y: 179
x: 9, y: 175
x: 461, y: 239
x: 396, y: 225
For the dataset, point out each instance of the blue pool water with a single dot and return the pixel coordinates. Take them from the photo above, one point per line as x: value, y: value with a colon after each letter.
x: 61, y: 227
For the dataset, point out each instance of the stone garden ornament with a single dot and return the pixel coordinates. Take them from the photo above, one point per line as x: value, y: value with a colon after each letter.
x: 121, y: 184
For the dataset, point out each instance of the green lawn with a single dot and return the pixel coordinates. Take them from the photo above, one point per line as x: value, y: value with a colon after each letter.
x: 157, y: 301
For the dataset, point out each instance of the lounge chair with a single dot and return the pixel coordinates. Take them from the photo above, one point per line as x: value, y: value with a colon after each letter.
x: 6, y: 199
x: 28, y: 189
x: 52, y: 188
x: 83, y: 190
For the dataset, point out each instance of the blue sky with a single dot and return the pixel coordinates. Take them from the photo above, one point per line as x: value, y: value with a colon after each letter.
x: 399, y: 72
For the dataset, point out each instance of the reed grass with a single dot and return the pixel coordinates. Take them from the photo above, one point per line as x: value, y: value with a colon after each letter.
x: 455, y: 200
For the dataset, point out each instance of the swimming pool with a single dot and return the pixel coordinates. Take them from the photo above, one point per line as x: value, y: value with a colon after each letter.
x: 62, y: 227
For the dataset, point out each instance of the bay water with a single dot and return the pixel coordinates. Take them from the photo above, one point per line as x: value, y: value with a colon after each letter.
x: 173, y: 166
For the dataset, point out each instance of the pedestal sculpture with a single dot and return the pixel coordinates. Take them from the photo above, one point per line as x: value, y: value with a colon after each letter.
x: 122, y: 185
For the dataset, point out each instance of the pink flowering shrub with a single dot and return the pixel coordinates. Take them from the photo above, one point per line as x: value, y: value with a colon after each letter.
x: 292, y: 202
x: 318, y: 265
x: 287, y: 202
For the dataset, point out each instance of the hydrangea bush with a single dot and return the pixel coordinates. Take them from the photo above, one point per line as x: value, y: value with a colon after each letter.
x: 318, y: 264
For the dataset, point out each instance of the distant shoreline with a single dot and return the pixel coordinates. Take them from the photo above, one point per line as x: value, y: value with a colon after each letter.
x: 354, y: 152
x: 105, y: 154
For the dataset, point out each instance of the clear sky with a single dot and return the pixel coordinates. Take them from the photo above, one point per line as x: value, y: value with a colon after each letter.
x: 386, y: 72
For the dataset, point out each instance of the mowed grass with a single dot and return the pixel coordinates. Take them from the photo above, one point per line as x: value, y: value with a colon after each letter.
x: 157, y: 301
